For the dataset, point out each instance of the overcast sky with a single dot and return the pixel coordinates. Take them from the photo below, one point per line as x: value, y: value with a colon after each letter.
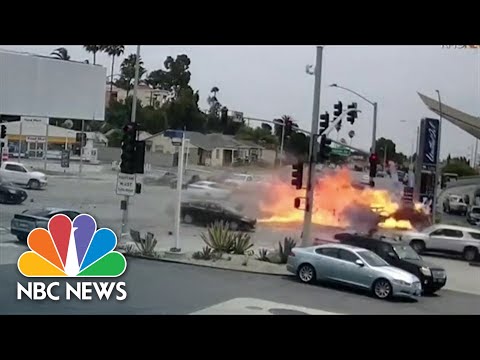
x: 270, y: 81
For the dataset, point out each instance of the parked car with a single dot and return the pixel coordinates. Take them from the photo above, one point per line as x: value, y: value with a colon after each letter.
x: 208, y: 189
x: 207, y: 212
x: 186, y: 181
x: 447, y: 239
x: 400, y: 254
x: 473, y: 215
x: 455, y: 204
x: 238, y: 179
x: 23, y: 223
x: 17, y: 173
x: 352, y: 266
x: 11, y: 194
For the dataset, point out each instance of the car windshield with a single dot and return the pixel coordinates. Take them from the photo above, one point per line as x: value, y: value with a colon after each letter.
x: 476, y: 210
x: 372, y: 259
x: 406, y: 252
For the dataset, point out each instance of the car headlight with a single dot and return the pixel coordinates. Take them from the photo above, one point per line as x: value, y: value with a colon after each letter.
x: 401, y: 282
x: 12, y: 191
x: 425, y: 271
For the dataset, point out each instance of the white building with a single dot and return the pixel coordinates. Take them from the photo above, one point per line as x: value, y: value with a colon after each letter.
x: 145, y: 94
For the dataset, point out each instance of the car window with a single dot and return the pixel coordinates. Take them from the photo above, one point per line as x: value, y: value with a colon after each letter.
x: 438, y: 232
x: 372, y: 259
x: 330, y: 252
x: 71, y: 214
x: 452, y: 233
x: 37, y: 212
x: 347, y: 255
x: 475, y: 210
x: 13, y: 167
x: 214, y: 207
x: 476, y: 236
x: 384, y: 249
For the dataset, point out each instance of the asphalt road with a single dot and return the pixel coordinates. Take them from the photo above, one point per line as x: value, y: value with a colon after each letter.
x: 166, y: 288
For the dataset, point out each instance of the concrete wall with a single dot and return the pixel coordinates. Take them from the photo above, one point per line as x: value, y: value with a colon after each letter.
x: 268, y: 156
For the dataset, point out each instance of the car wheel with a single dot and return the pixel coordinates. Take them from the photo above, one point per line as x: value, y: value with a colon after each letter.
x: 233, y: 226
x: 188, y: 219
x: 418, y: 246
x: 470, y: 253
x: 306, y: 273
x: 382, y: 289
x: 34, y: 184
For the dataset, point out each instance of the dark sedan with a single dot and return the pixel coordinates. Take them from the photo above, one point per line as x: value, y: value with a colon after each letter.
x: 207, y: 212
x: 11, y: 194
x: 473, y: 215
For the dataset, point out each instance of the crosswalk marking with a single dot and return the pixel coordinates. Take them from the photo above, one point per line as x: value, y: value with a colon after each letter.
x: 252, y: 306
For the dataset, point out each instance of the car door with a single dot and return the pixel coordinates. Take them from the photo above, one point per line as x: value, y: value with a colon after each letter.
x: 446, y: 240
x: 350, y: 272
x: 326, y: 263
x: 15, y: 173
x: 216, y: 213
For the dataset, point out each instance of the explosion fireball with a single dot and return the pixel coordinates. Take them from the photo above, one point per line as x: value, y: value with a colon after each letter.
x: 336, y: 199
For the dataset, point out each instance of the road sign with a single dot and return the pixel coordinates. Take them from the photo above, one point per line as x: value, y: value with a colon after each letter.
x: 65, y: 159
x: 341, y: 151
x: 126, y: 184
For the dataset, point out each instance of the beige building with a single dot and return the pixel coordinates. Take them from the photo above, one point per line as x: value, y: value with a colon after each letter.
x: 208, y: 149
x: 145, y: 94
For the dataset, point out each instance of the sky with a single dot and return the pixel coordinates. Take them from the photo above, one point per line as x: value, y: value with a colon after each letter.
x: 270, y: 81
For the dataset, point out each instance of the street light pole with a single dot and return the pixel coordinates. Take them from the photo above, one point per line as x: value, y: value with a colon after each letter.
x: 132, y: 119
x: 281, y: 143
x: 307, y: 221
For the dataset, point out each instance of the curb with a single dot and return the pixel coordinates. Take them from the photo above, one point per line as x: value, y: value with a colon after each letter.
x: 213, y: 266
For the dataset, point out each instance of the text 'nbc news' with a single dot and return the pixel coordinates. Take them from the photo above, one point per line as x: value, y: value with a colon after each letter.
x: 81, y: 290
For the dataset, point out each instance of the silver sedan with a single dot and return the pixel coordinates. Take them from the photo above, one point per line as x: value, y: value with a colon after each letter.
x: 352, y: 266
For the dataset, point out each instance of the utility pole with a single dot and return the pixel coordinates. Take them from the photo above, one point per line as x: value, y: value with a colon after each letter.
x: 374, y: 128
x: 132, y: 119
x: 281, y: 144
x: 307, y: 221
x: 437, y: 170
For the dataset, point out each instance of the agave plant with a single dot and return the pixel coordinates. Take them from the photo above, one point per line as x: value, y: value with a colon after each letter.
x: 241, y: 243
x: 219, y: 237
x: 263, y: 255
x: 286, y: 249
x: 206, y: 254
x: 145, y: 245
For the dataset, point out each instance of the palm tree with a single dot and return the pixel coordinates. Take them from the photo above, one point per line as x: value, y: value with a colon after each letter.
x: 127, y: 72
x: 93, y: 49
x: 61, y: 54
x: 113, y: 51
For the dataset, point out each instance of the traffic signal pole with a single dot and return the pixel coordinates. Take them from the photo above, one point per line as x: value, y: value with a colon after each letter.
x: 132, y: 119
x: 307, y: 220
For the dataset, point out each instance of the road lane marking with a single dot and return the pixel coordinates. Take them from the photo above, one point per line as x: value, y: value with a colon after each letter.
x: 252, y: 306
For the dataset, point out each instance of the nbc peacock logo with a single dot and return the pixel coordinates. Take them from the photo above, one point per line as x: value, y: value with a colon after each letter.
x: 72, y: 249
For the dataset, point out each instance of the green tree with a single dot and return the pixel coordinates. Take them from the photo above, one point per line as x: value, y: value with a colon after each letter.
x: 459, y: 167
x: 175, y: 77
x: 127, y: 73
x: 93, y: 49
x: 113, y: 51
x: 386, y: 149
x: 183, y: 112
x: 61, y: 54
x: 298, y: 144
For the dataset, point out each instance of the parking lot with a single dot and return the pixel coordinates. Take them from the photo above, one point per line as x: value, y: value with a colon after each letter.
x: 153, y: 211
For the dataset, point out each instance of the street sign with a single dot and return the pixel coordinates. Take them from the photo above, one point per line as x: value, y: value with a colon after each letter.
x: 341, y: 151
x: 35, y: 139
x: 65, y: 159
x: 126, y: 184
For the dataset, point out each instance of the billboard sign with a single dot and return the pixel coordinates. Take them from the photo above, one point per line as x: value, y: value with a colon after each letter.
x: 40, y: 86
x: 430, y: 142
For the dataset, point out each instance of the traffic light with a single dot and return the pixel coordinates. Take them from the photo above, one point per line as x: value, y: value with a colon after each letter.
x: 139, y: 157
x: 324, y: 122
x: 352, y: 115
x: 325, y: 148
x: 297, y: 175
x: 297, y: 202
x: 81, y: 138
x: 338, y: 109
x: 127, y: 165
x: 3, y: 132
x: 373, y: 165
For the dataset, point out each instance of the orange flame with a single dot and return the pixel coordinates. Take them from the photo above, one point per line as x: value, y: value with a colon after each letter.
x: 334, y: 194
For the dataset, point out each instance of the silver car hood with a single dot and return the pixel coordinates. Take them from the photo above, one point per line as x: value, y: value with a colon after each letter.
x: 397, y: 274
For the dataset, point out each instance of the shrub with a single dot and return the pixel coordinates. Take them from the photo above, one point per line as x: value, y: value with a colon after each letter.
x: 219, y: 237
x: 241, y: 243
x: 145, y: 245
x: 286, y: 249
x: 263, y: 255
